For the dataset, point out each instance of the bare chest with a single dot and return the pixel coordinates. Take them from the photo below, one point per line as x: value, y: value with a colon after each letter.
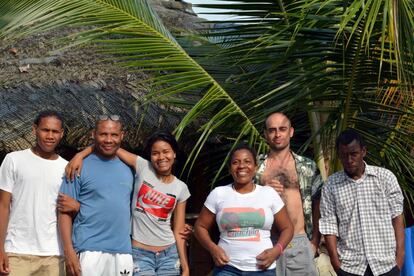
x: 274, y: 169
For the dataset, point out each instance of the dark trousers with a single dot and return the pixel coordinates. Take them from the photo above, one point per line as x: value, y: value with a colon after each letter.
x: 393, y: 272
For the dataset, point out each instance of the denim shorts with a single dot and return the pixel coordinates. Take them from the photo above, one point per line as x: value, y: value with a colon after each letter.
x: 229, y: 270
x: 165, y: 263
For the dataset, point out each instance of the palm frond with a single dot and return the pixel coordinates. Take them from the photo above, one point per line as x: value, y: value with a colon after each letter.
x: 131, y: 33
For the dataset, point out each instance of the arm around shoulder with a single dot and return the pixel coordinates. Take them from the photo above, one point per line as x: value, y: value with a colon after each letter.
x: 74, y: 167
x: 127, y: 157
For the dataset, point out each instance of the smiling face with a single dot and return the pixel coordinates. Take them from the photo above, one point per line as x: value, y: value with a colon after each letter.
x: 48, y: 133
x: 108, y: 136
x: 162, y: 157
x: 352, y: 158
x: 278, y: 131
x: 242, y: 167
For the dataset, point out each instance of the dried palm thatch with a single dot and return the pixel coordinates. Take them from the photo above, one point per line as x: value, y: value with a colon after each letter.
x: 81, y: 84
x: 79, y: 104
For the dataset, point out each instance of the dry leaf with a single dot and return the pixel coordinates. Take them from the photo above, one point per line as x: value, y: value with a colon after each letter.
x: 24, y: 68
x: 13, y: 51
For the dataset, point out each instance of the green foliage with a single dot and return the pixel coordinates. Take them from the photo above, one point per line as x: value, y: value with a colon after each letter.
x: 341, y: 64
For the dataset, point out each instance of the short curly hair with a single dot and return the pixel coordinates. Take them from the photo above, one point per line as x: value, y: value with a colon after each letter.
x: 348, y: 136
x: 47, y: 113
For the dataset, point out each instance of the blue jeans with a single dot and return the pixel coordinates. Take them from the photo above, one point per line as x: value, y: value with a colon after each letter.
x: 229, y: 270
x: 149, y: 263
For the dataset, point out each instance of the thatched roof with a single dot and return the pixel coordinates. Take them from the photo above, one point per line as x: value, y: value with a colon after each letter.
x: 79, y: 103
x: 80, y: 84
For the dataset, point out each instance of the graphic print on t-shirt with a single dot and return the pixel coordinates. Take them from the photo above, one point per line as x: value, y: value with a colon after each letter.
x: 242, y: 223
x: 154, y: 202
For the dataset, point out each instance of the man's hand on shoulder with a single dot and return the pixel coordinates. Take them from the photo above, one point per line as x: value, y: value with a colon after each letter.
x: 4, y: 263
x: 74, y: 167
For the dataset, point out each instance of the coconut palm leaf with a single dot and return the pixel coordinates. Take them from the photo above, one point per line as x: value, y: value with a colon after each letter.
x: 350, y: 62
x: 130, y: 32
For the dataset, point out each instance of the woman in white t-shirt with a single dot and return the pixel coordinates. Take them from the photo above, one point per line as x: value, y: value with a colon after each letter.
x: 157, y: 248
x: 245, y: 213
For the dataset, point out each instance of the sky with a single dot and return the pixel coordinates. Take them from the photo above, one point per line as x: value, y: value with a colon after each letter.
x: 200, y: 11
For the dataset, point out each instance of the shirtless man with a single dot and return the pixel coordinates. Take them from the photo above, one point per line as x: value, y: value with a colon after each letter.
x: 301, y: 197
x: 289, y: 185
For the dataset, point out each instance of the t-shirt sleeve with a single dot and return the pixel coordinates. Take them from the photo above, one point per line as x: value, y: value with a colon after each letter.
x: 7, y: 174
x: 211, y: 201
x: 184, y: 194
x: 277, y: 202
x: 71, y: 188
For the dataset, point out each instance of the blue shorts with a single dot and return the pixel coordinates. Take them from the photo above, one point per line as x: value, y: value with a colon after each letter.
x: 229, y: 270
x: 149, y: 263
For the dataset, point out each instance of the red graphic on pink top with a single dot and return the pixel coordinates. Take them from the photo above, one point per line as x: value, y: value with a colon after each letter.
x: 154, y: 202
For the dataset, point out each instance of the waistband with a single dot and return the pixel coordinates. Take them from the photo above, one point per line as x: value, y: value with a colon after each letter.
x: 300, y: 237
x: 165, y: 252
x: 299, y: 240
